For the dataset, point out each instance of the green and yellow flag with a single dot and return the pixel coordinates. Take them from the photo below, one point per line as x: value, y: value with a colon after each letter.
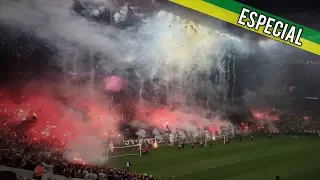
x: 258, y: 21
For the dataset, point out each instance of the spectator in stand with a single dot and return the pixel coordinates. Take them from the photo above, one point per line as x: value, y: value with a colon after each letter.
x: 38, y: 172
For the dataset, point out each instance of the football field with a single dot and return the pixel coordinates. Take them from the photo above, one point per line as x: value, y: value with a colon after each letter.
x: 293, y: 159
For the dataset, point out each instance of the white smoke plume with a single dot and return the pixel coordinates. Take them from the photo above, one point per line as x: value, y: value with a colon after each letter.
x: 88, y: 148
x: 171, y: 138
x: 122, y: 15
x: 103, y: 3
x: 185, y: 123
x: 157, y: 134
x: 139, y: 124
x: 182, y: 135
x: 141, y: 134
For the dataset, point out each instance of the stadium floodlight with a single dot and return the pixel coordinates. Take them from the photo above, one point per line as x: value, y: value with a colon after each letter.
x: 132, y: 150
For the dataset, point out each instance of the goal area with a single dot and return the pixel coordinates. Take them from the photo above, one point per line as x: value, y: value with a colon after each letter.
x: 131, y: 150
x: 215, y: 140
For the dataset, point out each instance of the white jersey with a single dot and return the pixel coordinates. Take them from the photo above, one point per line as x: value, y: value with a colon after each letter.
x: 49, y: 171
x: 48, y: 168
x: 84, y: 173
x: 102, y: 176
x: 111, y: 146
x: 89, y: 176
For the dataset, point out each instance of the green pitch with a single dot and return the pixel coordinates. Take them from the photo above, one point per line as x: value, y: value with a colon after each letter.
x: 292, y: 159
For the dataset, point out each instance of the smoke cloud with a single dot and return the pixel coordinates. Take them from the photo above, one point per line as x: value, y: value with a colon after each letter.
x: 181, y: 69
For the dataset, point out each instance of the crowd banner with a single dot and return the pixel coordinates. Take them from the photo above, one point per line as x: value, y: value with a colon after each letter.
x: 258, y: 21
x: 27, y: 175
x: 134, y: 142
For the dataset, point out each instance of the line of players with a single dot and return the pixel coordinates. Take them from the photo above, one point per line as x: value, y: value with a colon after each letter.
x: 227, y: 142
x: 181, y: 146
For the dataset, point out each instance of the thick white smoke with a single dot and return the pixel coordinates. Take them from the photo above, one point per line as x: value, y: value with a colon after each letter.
x: 184, y: 123
x: 86, y: 147
x: 122, y: 15
x: 141, y: 134
x: 157, y: 134
x: 165, y: 42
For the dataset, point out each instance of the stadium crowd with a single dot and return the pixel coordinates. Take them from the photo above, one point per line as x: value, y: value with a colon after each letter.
x: 18, y: 151
x: 296, y: 123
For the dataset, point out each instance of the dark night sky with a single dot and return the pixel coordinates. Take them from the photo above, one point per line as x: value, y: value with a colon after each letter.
x: 283, y: 7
